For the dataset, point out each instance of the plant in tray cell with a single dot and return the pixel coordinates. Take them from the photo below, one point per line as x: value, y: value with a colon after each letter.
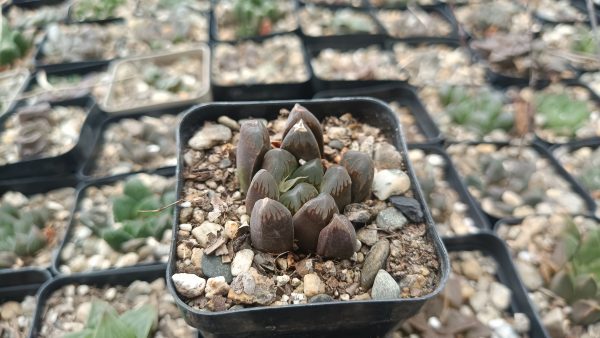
x: 95, y: 9
x: 584, y: 42
x: 137, y: 213
x: 289, y: 195
x: 13, y: 44
x: 255, y: 17
x: 577, y: 272
x: 481, y: 111
x: 561, y: 113
x: 22, y: 233
x: 104, y: 321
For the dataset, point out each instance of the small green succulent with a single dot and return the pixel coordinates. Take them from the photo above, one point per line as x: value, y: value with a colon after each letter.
x: 561, y: 113
x: 21, y: 233
x: 254, y: 17
x: 139, y: 212
x: 158, y: 78
x: 96, y: 9
x: 578, y: 272
x: 584, y: 42
x: 345, y: 21
x: 481, y: 111
x: 105, y: 322
x: 13, y: 44
x: 288, y: 201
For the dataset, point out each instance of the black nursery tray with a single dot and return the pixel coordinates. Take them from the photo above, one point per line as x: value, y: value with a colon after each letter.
x: 492, y: 246
x: 440, y: 9
x: 66, y: 163
x: 18, y: 284
x: 404, y: 95
x: 369, y: 318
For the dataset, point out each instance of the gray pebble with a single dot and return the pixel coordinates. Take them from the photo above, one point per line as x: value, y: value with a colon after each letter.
x: 213, y: 267
x: 384, y: 286
x: 374, y: 261
x: 391, y: 219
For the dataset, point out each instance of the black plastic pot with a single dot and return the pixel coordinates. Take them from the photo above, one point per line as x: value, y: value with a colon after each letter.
x: 349, y: 319
x: 64, y: 164
x: 559, y: 170
x: 28, y: 187
x: 35, y: 3
x: 315, y: 47
x: 441, y: 10
x: 86, y: 171
x: 81, y: 191
x: 15, y: 285
x: 123, y: 277
x: 492, y: 246
x: 263, y: 91
x: 404, y: 95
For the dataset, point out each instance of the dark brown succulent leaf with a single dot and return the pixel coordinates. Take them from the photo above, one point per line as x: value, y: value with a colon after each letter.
x: 280, y: 163
x: 263, y: 185
x: 251, y: 148
x: 301, y: 142
x: 337, y: 239
x: 585, y: 312
x: 295, y: 198
x: 361, y: 170
x: 312, y: 170
x: 301, y: 113
x: 271, y: 227
x: 337, y: 183
x: 311, y: 218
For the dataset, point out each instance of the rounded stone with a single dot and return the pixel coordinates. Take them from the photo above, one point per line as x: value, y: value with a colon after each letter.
x: 391, y: 219
x: 242, y: 261
x: 384, y: 286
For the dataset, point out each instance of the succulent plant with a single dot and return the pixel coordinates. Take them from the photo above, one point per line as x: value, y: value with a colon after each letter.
x: 578, y: 272
x: 96, y: 9
x: 13, y: 45
x: 21, y: 233
x: 480, y: 111
x: 255, y: 17
x: 104, y: 321
x: 291, y: 196
x: 584, y: 42
x: 561, y: 113
x: 138, y: 213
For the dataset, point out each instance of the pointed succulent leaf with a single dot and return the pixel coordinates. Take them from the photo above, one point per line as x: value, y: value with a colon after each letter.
x: 585, y: 312
x: 585, y: 287
x: 337, y: 239
x: 123, y: 208
x: 116, y: 237
x: 253, y: 144
x: 289, y: 184
x: 301, y: 142
x: 311, y: 218
x: 337, y: 183
x: 271, y: 227
x: 301, y: 113
x: 295, y: 198
x: 312, y: 170
x: 562, y: 285
x: 263, y: 185
x: 361, y: 170
x: 280, y: 163
x: 136, y: 189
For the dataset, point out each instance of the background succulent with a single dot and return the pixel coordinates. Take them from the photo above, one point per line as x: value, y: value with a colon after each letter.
x: 292, y: 196
x: 561, y: 113
x: 96, y: 9
x: 131, y: 217
x: 13, y: 45
x: 480, y: 110
x: 255, y: 17
x: 578, y: 272
x: 21, y: 233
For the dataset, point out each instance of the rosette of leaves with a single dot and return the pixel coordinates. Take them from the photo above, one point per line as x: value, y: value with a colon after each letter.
x: 95, y: 9
x: 561, y: 113
x: 105, y: 322
x: 291, y: 196
x: 577, y: 277
x: 255, y: 17
x: 13, y: 44
x: 21, y: 233
x: 137, y: 213
x: 481, y: 110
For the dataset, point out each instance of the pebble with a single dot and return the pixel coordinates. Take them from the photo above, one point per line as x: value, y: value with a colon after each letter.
x: 471, y: 269
x: 367, y: 236
x: 189, y: 284
x: 242, y: 261
x: 313, y: 285
x: 374, y: 261
x: 384, y: 286
x: 110, y: 294
x: 410, y: 207
x: 386, y: 157
x: 321, y: 298
x: 202, y: 231
x: 282, y: 280
x: 502, y: 329
x: 128, y: 259
x: 183, y: 251
x: 212, y: 266
x: 530, y: 275
x: 209, y: 136
x: 390, y: 182
x: 231, y: 229
x: 500, y: 295
x: 521, y: 323
x: 216, y: 286
x: 228, y: 122
x: 391, y: 219
x: 554, y: 321
x: 304, y: 267
x: 10, y: 310
x: 185, y: 226
x: 357, y: 213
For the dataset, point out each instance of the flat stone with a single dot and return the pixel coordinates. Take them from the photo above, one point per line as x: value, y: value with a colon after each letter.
x: 384, y: 286
x: 409, y: 207
x: 242, y: 261
x: 391, y: 219
x: 313, y: 285
x: 212, y: 266
x: 201, y: 232
x: 358, y: 213
x: 228, y: 122
x: 390, y: 182
x: 367, y: 236
x: 209, y: 136
x: 321, y: 298
x: 188, y: 284
x: 374, y: 261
